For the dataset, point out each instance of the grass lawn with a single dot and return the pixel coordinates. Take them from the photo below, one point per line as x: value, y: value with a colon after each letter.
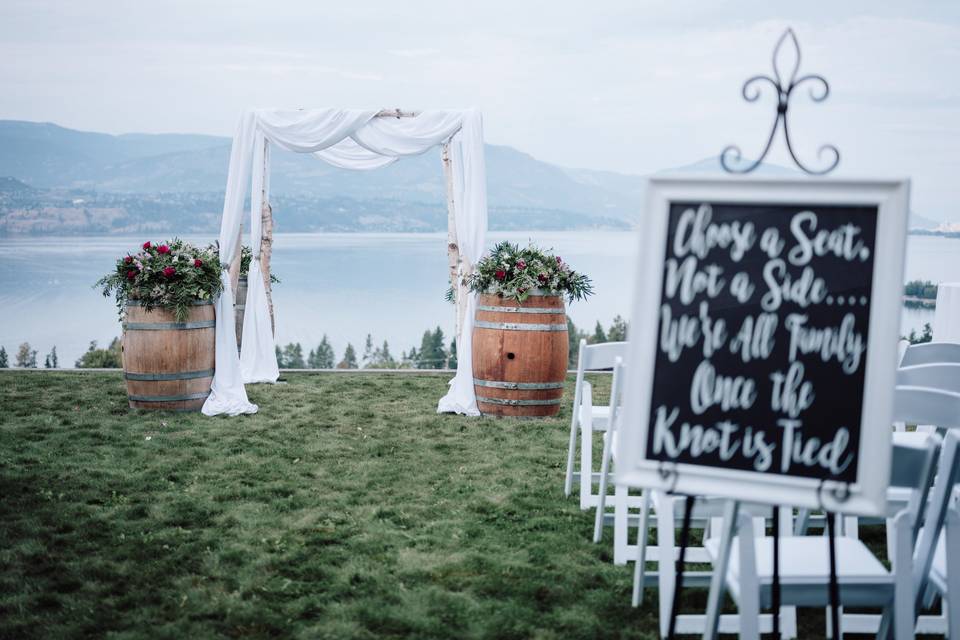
x: 347, y: 508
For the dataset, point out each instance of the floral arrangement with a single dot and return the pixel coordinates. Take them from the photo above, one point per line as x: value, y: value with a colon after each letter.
x: 246, y: 255
x: 514, y: 272
x: 166, y: 276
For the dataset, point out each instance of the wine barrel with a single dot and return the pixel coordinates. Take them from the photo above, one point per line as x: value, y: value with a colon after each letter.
x: 520, y: 355
x: 239, y: 304
x: 168, y: 364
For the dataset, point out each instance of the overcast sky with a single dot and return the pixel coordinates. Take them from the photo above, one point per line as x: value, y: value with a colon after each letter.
x: 628, y: 86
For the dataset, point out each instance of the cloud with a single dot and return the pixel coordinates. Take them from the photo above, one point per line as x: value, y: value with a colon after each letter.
x: 413, y: 53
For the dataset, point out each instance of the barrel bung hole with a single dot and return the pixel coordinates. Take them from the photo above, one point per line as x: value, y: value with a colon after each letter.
x: 511, y: 355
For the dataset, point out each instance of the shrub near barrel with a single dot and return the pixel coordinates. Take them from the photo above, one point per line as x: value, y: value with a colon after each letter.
x: 168, y: 364
x: 520, y: 355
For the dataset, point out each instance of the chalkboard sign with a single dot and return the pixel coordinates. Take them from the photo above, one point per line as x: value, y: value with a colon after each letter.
x: 763, y: 341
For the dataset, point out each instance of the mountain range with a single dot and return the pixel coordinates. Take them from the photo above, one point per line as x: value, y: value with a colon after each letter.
x: 55, y: 180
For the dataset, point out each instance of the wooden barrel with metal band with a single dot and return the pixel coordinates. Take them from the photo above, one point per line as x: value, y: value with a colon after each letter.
x: 239, y: 306
x: 168, y: 364
x: 520, y: 355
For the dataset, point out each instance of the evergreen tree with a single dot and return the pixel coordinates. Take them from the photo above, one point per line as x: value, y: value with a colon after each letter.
x: 412, y: 358
x: 432, y: 355
x: 26, y: 357
x: 382, y: 358
x: 599, y: 336
x: 368, y: 351
x: 452, y: 360
x: 94, y: 358
x: 574, y: 335
x: 52, y: 362
x: 4, y: 360
x: 281, y: 362
x: 312, y: 360
x: 618, y: 330
x: 293, y: 355
x: 324, y: 357
x: 349, y: 358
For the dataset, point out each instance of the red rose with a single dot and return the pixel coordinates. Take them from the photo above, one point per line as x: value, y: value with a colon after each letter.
x: 163, y: 249
x: 146, y: 245
x: 198, y: 263
x: 169, y: 272
x: 131, y: 274
x: 559, y: 260
x: 128, y: 259
x: 521, y: 265
x: 500, y: 274
x: 542, y: 278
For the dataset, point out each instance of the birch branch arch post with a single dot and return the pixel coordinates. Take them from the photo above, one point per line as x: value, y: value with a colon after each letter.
x: 359, y: 139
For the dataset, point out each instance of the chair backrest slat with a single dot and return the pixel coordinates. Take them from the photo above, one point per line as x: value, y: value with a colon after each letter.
x: 601, y: 356
x: 941, y: 376
x: 923, y: 405
x: 931, y: 353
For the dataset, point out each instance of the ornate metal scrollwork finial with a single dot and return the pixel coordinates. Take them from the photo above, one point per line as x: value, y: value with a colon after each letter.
x: 784, y: 84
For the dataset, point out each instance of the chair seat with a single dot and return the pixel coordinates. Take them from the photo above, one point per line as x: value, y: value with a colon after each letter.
x: 911, y: 438
x: 598, y: 415
x: 805, y: 567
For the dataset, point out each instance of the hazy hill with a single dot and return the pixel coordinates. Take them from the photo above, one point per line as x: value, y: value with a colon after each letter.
x: 107, y: 183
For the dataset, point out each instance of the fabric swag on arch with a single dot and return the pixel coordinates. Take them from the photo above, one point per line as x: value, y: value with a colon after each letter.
x: 349, y: 139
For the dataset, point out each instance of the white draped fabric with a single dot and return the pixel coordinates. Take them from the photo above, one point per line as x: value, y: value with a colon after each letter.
x: 350, y: 139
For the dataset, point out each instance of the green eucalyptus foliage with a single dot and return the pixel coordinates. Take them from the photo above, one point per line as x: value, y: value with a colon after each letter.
x: 514, y: 272
x: 170, y: 276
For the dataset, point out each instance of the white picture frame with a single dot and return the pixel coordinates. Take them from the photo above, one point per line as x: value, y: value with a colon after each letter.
x: 865, y: 496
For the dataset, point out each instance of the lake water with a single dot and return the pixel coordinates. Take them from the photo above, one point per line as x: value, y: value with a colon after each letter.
x: 342, y: 285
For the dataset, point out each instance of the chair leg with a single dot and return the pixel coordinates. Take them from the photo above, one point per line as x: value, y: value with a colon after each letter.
x: 640, y: 569
x: 904, y: 618
x: 666, y: 559
x: 721, y: 563
x: 749, y: 600
x: 621, y: 530
x: 571, y: 453
x: 586, y: 465
x: 602, y: 495
x: 951, y: 599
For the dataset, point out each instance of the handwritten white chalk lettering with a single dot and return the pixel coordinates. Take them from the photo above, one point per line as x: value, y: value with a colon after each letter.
x: 842, y: 242
x: 771, y: 243
x: 677, y: 334
x: 781, y: 287
x: 696, y: 439
x: 741, y: 287
x: 755, y: 338
x: 714, y: 331
x: 791, y: 393
x: 692, y: 281
x: 728, y: 392
x: 812, y: 452
x: 843, y: 343
x: 755, y: 446
x: 696, y: 234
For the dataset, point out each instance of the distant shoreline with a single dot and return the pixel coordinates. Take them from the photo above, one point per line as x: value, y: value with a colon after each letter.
x: 953, y: 235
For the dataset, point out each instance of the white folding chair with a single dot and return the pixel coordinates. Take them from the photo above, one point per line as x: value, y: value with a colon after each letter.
x: 747, y: 569
x: 607, y: 454
x: 931, y: 353
x: 865, y: 578
x: 705, y: 516
x: 586, y: 418
x: 945, y: 577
